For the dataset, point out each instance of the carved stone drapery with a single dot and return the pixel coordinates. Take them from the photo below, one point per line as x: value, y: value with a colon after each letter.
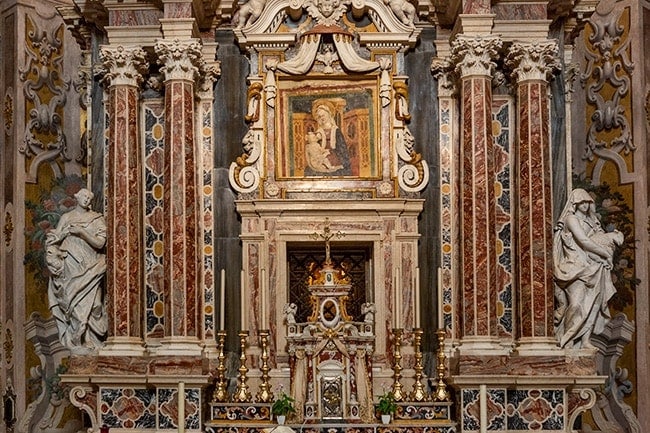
x: 123, y: 73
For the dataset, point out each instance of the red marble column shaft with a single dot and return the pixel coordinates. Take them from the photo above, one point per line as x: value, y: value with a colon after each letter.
x: 124, y: 249
x: 479, y: 211
x: 534, y: 222
x: 478, y: 300
x: 124, y: 244
x: 180, y: 209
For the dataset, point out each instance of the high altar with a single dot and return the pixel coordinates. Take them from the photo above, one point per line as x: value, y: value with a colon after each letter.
x: 329, y: 199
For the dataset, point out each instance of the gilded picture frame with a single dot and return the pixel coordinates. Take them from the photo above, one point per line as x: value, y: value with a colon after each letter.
x: 328, y: 131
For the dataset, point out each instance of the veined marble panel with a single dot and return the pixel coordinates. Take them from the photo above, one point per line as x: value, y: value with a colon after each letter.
x: 153, y: 115
x: 503, y: 136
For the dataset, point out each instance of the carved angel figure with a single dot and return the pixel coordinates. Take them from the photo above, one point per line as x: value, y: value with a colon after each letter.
x: 77, y: 265
x: 290, y: 311
x: 249, y: 12
x: 582, y: 256
x: 403, y: 10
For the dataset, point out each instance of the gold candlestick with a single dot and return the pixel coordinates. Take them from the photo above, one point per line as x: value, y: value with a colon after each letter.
x: 398, y: 389
x: 264, y: 395
x: 441, y: 393
x: 419, y: 393
x: 220, y: 394
x: 243, y: 394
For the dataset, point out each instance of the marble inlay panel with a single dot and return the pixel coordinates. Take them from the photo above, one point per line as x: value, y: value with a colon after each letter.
x: 154, y: 123
x: 168, y: 416
x: 503, y: 136
x: 536, y: 410
x: 128, y: 408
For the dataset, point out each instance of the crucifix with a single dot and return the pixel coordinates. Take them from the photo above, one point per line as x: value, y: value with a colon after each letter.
x: 327, y: 235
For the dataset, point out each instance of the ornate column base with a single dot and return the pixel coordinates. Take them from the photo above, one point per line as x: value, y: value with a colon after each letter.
x: 122, y: 346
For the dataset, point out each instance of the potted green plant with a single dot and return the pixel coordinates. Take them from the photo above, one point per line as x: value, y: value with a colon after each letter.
x: 386, y: 406
x: 282, y: 407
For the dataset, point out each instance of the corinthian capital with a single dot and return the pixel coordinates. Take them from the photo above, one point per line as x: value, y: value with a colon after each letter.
x: 123, y: 66
x: 532, y: 61
x: 475, y: 55
x: 180, y: 60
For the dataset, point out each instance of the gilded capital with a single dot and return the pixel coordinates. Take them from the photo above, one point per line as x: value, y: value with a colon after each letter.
x: 532, y: 61
x: 475, y: 55
x: 180, y: 60
x: 123, y: 66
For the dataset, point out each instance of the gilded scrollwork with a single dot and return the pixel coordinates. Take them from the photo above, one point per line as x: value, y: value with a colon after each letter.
x: 8, y: 229
x: 8, y: 112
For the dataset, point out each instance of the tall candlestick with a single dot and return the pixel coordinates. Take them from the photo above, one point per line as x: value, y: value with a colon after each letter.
x: 222, y: 301
x: 243, y: 300
x: 181, y: 407
x: 441, y: 314
x: 417, y: 297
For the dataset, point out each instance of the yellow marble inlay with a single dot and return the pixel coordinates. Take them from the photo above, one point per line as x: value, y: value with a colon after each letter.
x: 445, y: 188
x: 159, y: 309
x: 207, y: 249
x: 446, y: 248
x: 158, y: 248
x: 207, y: 190
x: 157, y: 132
x: 157, y: 191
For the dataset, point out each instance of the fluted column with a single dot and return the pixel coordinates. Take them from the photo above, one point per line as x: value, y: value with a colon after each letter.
x: 531, y: 65
x: 124, y: 67
x: 180, y: 62
x: 473, y: 57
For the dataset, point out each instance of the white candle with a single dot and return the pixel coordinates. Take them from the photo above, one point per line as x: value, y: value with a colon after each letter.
x: 416, y: 294
x: 243, y: 300
x: 181, y: 407
x: 398, y: 299
x: 441, y: 318
x: 263, y: 300
x: 222, y: 302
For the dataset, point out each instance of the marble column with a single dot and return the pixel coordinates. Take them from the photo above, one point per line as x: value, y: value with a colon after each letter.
x: 180, y: 62
x: 473, y: 57
x: 449, y: 225
x: 205, y: 131
x: 531, y: 65
x: 124, y: 68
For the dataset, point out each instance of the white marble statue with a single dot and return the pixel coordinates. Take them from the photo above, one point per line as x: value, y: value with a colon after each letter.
x: 582, y: 255
x: 77, y: 266
x: 403, y: 10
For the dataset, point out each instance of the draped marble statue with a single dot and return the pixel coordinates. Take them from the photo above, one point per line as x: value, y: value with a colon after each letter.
x: 77, y: 266
x: 583, y: 260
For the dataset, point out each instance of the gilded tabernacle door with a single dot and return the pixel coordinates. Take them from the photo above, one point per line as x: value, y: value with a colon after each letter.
x: 327, y: 101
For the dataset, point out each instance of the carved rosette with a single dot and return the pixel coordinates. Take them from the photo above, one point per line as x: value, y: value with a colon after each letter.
x: 123, y: 66
x: 533, y: 61
x: 475, y: 55
x: 180, y: 60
